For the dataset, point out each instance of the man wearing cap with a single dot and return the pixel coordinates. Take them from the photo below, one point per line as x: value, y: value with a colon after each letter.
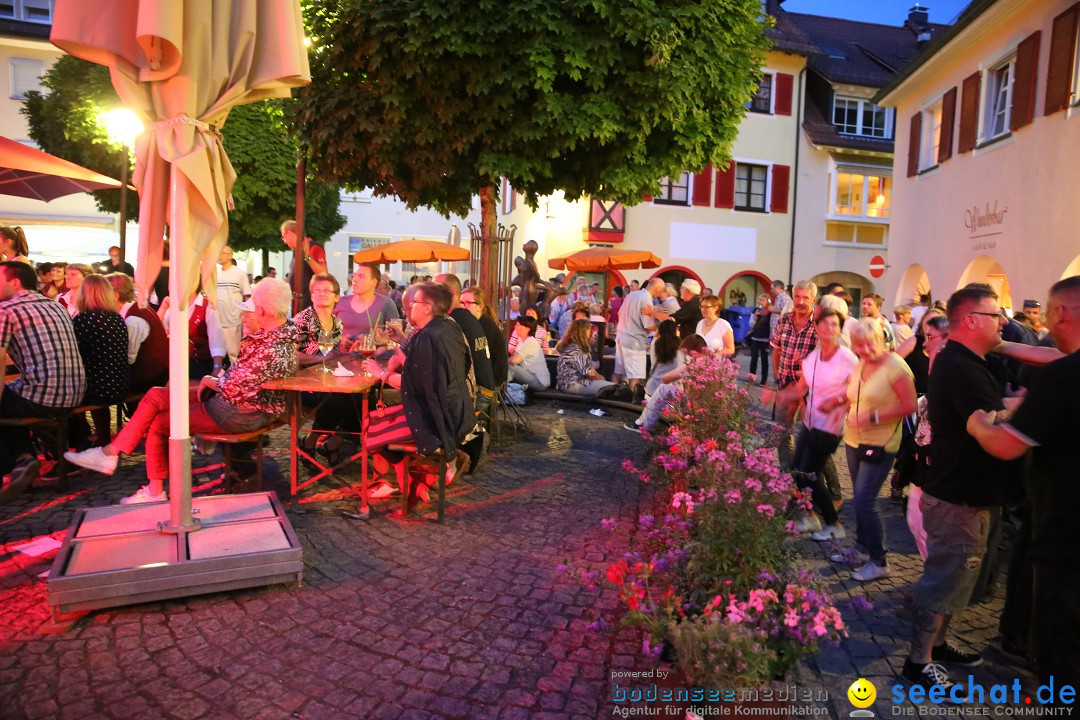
x: 232, y: 287
x: 1033, y: 312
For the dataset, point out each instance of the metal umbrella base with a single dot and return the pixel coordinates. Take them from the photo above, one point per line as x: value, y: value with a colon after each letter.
x: 117, y: 555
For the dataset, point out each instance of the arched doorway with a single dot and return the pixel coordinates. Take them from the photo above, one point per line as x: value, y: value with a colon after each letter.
x: 856, y: 285
x: 915, y: 282
x: 743, y: 289
x: 985, y: 269
x: 1073, y: 269
x: 675, y: 274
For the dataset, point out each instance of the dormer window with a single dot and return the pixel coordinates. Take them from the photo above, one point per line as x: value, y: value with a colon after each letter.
x: 856, y: 116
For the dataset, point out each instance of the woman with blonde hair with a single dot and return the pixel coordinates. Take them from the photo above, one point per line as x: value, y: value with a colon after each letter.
x: 13, y: 244
x: 103, y: 343
x: 575, y: 373
x: 881, y: 394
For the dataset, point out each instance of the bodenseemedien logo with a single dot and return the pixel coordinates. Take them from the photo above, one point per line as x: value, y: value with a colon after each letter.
x: 862, y: 694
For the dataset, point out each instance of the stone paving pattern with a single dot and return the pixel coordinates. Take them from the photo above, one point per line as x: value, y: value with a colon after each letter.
x: 410, y: 619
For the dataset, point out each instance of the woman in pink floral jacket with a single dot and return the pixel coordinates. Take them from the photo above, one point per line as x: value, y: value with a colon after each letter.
x: 237, y: 402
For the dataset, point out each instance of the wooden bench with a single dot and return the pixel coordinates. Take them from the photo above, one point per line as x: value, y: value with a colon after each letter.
x: 571, y: 397
x: 229, y: 440
x: 59, y: 423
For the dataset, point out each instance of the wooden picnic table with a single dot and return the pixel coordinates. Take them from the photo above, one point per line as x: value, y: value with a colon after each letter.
x: 313, y: 380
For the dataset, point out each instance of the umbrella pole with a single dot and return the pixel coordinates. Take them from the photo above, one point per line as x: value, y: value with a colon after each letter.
x: 180, y: 519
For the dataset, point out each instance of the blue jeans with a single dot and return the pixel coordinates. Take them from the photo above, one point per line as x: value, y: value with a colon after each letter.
x: 868, y: 479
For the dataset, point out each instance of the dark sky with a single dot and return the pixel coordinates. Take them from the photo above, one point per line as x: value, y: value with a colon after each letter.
x: 886, y: 12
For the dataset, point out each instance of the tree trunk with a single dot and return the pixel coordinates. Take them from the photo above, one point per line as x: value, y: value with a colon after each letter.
x: 265, y: 259
x: 489, y: 260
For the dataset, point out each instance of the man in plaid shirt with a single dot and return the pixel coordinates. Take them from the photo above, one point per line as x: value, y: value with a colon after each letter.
x: 794, y: 337
x: 37, y: 335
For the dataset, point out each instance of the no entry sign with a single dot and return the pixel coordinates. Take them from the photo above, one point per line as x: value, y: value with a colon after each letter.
x: 877, y: 266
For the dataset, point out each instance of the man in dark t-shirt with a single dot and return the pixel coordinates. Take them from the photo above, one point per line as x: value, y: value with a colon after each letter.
x: 474, y: 334
x: 964, y: 488
x: 1048, y: 422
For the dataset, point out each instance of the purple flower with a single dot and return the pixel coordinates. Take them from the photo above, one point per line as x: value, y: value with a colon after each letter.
x: 608, y: 524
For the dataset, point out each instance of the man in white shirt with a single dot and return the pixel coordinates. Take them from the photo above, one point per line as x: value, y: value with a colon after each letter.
x: 232, y: 288
x: 631, y: 341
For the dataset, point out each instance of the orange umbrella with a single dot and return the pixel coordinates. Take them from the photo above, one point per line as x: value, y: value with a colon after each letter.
x: 412, y: 251
x: 602, y: 259
x: 31, y: 173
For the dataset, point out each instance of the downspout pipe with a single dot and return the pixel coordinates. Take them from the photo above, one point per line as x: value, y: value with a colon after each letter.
x: 795, y: 183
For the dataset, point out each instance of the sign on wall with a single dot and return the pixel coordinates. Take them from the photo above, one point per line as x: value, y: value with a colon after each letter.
x: 366, y: 242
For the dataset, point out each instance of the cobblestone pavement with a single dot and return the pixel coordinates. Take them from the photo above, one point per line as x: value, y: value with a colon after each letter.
x: 409, y: 619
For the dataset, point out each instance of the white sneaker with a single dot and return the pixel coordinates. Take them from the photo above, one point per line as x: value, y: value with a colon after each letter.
x: 94, y: 459
x: 381, y: 491
x: 870, y: 571
x: 143, y: 495
x: 830, y: 532
x: 808, y: 523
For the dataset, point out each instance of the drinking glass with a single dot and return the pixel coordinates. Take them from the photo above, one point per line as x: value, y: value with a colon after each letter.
x: 325, y: 343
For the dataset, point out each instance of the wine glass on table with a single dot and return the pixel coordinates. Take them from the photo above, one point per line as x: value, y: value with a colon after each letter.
x: 325, y: 343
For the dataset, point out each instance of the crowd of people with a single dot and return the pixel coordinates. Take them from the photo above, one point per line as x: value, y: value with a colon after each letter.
x: 946, y: 398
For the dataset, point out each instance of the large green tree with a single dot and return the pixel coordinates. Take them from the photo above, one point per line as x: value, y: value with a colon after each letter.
x: 434, y: 100
x: 66, y: 121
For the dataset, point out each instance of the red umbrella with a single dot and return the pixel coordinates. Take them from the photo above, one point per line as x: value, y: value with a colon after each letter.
x: 30, y: 173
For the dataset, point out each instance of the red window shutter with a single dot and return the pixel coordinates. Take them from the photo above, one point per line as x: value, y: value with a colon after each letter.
x: 948, y: 119
x: 914, y: 137
x: 1060, y: 68
x: 703, y: 187
x: 781, y: 178
x: 725, y: 187
x: 969, y: 113
x: 782, y: 101
x: 1027, y: 66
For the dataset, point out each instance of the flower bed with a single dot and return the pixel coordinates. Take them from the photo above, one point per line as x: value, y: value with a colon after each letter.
x: 710, y: 572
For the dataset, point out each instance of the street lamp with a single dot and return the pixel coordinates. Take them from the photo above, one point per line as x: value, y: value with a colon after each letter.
x: 123, y: 126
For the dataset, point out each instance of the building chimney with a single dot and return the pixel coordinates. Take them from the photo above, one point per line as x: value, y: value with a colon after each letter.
x: 918, y: 16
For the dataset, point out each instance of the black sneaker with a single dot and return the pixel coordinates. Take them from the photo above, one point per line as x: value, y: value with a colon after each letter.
x: 946, y: 653
x: 632, y: 427
x: 927, y: 676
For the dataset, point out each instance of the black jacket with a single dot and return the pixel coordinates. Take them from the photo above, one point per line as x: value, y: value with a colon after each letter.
x: 438, y: 407
x: 688, y: 316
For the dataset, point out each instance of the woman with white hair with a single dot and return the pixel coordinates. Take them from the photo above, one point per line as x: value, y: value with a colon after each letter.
x: 236, y: 403
x: 881, y: 394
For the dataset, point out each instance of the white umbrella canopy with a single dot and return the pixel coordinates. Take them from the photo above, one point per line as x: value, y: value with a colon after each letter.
x: 182, y: 65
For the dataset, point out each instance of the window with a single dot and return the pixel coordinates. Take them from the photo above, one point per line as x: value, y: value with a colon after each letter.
x: 931, y: 139
x: 854, y: 116
x: 855, y: 233
x: 762, y: 100
x: 38, y: 11
x: 25, y: 76
x: 674, y: 192
x: 750, y: 183
x: 998, y: 99
x: 864, y: 193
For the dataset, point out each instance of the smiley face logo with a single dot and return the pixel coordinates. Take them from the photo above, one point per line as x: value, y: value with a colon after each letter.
x: 862, y: 693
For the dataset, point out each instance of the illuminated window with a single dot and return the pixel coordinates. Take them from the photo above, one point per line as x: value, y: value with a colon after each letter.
x: 862, y: 193
x: 855, y: 233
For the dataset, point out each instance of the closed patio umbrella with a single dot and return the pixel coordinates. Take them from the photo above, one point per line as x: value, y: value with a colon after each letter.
x: 182, y: 65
